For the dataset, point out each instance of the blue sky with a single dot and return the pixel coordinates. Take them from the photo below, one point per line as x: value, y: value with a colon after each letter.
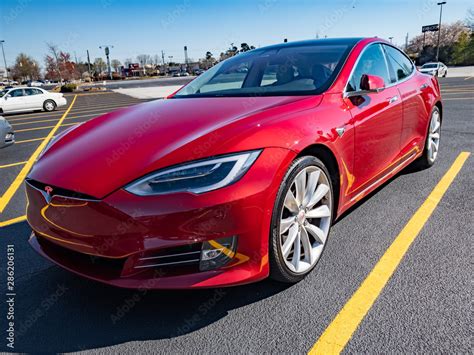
x: 136, y: 27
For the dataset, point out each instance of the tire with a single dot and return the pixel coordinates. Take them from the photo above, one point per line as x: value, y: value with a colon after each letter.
x: 49, y: 105
x: 445, y: 74
x: 432, y: 140
x: 304, y: 220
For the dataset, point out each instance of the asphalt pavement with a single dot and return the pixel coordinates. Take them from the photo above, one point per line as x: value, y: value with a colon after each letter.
x: 425, y: 307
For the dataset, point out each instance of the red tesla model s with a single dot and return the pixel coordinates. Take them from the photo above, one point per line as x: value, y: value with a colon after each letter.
x: 238, y: 175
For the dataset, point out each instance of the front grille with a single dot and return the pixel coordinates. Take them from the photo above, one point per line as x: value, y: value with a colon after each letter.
x: 105, y: 267
x: 58, y: 191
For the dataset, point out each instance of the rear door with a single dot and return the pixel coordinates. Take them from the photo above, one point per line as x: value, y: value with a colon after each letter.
x: 33, y: 98
x: 377, y: 119
x: 411, y: 89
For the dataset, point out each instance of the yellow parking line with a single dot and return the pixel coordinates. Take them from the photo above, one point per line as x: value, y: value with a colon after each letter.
x: 100, y: 108
x: 12, y: 221
x: 12, y: 164
x: 44, y: 127
x: 7, y: 196
x: 339, y: 332
x: 30, y: 140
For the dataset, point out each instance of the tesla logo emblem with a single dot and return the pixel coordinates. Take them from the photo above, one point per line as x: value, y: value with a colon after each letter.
x: 48, y: 190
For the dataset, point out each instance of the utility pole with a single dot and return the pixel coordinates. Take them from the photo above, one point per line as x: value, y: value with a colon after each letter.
x: 89, y: 62
x: 186, y: 57
x: 406, y: 41
x: 107, y: 52
x: 163, y: 59
x: 439, y: 27
x: 4, y: 60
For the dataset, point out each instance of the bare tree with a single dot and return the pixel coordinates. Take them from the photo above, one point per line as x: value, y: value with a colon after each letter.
x: 116, y: 64
x: 53, y: 49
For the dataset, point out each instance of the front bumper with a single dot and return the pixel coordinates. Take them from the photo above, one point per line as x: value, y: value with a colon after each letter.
x: 106, y: 240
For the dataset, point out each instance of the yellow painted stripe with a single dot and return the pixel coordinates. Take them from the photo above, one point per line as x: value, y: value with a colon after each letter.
x: 98, y: 109
x: 340, y: 330
x: 7, y: 196
x: 30, y: 140
x: 12, y: 164
x: 13, y: 221
x: 44, y: 127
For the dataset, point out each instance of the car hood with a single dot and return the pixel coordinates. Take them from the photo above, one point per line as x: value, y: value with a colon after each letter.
x: 110, y: 151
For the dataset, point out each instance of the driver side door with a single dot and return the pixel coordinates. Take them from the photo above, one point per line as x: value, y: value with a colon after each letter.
x: 377, y: 119
x: 13, y: 101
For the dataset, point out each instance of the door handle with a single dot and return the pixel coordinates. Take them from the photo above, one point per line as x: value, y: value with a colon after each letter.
x: 423, y: 87
x: 393, y: 99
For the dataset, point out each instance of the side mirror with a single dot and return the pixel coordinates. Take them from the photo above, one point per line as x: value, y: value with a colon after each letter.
x: 368, y: 84
x: 372, y: 83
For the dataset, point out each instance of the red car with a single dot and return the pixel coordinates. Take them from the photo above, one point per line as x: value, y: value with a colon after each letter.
x: 238, y: 175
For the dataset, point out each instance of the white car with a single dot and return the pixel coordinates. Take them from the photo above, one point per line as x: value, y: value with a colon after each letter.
x: 437, y: 69
x: 30, y: 99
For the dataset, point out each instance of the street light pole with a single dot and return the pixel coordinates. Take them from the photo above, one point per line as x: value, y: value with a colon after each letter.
x: 390, y: 39
x: 439, y: 27
x: 4, y: 60
x: 107, y: 52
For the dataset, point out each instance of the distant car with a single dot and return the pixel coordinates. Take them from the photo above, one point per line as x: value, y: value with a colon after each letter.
x: 35, y: 83
x: 436, y: 69
x: 198, y: 72
x: 29, y: 99
x: 184, y: 73
x: 7, y: 136
x: 175, y: 74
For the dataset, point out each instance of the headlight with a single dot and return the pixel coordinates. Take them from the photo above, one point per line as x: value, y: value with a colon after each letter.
x: 196, y: 177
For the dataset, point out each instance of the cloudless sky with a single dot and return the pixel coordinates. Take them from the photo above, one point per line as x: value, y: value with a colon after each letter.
x: 147, y: 27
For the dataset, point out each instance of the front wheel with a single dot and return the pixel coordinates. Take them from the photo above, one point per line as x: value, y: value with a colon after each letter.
x: 430, y: 152
x: 49, y: 105
x: 302, y: 217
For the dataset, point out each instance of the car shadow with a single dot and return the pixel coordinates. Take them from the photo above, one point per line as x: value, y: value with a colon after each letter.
x: 414, y: 167
x: 57, y: 311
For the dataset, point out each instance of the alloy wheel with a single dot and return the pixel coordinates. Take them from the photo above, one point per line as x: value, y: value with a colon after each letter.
x: 305, y: 219
x: 434, y: 136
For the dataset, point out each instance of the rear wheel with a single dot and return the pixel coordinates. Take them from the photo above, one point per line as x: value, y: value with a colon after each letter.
x: 49, y: 105
x: 430, y: 152
x: 302, y: 217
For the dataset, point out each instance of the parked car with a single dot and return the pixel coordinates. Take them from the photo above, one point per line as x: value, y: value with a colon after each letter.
x: 7, y: 136
x: 35, y: 83
x: 248, y: 173
x: 29, y: 99
x: 436, y: 69
x: 184, y: 73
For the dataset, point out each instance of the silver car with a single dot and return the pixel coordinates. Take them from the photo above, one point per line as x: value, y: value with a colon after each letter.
x: 436, y: 69
x: 7, y: 136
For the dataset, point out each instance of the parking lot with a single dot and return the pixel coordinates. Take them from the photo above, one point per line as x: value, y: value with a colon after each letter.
x: 425, y: 306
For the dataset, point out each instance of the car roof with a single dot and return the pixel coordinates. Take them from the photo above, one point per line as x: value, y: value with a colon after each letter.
x: 349, y: 41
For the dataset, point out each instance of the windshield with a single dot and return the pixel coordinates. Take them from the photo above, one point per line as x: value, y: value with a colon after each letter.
x: 430, y: 66
x: 295, y: 70
x: 3, y: 93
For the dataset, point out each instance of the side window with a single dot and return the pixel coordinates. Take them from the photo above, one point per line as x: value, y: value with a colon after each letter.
x: 29, y: 92
x: 372, y: 61
x: 16, y: 93
x: 232, y: 78
x: 401, y: 65
x: 38, y: 91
